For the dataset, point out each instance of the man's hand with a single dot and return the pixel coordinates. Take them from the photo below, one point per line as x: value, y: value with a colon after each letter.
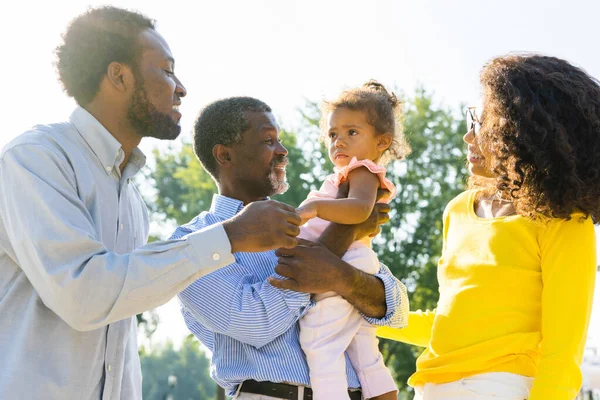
x: 263, y: 225
x: 311, y: 268
x: 372, y: 226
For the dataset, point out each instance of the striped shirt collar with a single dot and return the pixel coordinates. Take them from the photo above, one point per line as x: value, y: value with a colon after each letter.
x: 103, y: 143
x: 225, y: 207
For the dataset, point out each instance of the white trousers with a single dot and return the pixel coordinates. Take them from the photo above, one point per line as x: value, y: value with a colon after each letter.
x: 334, y: 327
x: 492, y: 386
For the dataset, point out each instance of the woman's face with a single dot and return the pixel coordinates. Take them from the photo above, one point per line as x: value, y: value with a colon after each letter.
x: 477, y: 157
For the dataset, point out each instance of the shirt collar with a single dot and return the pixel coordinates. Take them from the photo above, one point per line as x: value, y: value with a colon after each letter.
x: 225, y: 207
x: 103, y: 144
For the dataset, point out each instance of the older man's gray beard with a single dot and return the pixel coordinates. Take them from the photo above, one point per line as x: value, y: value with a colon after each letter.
x: 278, y: 185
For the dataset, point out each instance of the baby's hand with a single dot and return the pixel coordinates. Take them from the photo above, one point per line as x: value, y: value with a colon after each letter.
x: 306, y: 212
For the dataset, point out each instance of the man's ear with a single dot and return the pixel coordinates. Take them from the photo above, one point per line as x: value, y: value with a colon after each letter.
x: 384, y: 141
x: 120, y: 76
x: 222, y: 154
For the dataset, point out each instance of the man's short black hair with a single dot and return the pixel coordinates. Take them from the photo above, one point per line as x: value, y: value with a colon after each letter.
x: 222, y: 122
x: 92, y: 41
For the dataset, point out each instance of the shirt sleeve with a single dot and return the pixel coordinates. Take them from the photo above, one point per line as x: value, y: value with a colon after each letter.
x: 232, y: 302
x: 396, y: 299
x: 54, y: 240
x: 568, y: 255
x: 418, y: 331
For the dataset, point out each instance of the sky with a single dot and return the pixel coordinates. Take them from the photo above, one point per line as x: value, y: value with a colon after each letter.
x: 288, y: 52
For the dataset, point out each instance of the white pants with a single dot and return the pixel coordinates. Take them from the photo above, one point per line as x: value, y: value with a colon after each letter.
x: 334, y: 327
x: 492, y: 385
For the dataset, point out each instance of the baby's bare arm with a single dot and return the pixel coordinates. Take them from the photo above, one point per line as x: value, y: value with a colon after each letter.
x: 354, y: 209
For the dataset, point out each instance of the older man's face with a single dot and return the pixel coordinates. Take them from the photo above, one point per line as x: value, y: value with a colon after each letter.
x: 261, y: 159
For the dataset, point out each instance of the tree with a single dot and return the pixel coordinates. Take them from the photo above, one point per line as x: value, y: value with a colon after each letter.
x: 176, y: 375
x: 184, y: 188
x: 410, y: 244
x: 427, y: 180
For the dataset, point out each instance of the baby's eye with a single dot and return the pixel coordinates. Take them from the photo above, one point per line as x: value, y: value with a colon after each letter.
x: 352, y: 132
x: 331, y: 135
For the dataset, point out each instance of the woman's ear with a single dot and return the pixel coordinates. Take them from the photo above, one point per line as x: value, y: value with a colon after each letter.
x: 384, y: 141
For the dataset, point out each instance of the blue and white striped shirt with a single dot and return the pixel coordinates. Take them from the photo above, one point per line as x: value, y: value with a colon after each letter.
x: 250, y: 326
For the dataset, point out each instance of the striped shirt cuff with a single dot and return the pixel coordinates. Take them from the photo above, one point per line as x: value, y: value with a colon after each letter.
x: 396, y: 299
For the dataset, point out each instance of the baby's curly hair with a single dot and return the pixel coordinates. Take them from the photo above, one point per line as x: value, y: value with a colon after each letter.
x: 383, y: 111
x: 541, y: 121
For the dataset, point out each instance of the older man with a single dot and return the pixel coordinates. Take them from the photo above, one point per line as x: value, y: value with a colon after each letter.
x: 249, y: 324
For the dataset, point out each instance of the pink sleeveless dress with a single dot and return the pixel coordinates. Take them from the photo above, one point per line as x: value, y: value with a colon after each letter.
x: 314, y: 227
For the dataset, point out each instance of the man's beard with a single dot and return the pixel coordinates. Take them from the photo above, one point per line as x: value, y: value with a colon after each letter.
x: 145, y: 119
x: 278, y: 185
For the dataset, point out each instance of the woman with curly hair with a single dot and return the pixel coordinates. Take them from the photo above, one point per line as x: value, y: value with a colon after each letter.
x: 518, y: 263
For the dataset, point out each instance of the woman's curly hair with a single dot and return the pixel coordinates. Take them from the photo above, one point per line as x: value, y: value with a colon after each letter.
x: 383, y: 111
x: 541, y: 121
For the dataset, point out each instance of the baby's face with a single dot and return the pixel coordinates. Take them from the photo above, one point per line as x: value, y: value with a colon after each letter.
x: 349, y: 134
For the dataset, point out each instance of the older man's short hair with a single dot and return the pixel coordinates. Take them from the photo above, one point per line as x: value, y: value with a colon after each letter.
x: 222, y: 122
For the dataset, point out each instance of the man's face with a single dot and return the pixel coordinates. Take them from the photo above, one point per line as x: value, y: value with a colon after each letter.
x: 154, y: 107
x: 260, y: 159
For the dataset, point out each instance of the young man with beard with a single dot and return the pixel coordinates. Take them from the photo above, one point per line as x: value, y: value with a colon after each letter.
x: 71, y: 279
x: 245, y: 313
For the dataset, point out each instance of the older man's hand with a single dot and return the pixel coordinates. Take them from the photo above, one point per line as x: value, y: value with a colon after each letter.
x: 372, y: 226
x: 310, y: 268
x: 263, y: 225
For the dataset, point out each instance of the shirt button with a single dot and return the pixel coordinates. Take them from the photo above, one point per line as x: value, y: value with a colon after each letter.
x: 109, y: 367
x: 109, y: 169
x: 216, y: 256
x: 121, y: 227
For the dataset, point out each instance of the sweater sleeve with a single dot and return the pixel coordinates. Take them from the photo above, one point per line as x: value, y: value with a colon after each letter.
x: 568, y: 257
x: 418, y: 331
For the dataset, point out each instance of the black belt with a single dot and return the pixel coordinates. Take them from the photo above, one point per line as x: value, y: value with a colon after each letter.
x: 284, y: 391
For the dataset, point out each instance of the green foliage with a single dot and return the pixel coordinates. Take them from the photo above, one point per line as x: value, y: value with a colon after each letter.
x: 176, y: 375
x: 184, y: 188
x: 410, y: 244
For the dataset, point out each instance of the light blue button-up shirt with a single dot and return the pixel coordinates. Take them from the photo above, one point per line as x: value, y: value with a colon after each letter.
x: 70, y: 280
x: 250, y: 326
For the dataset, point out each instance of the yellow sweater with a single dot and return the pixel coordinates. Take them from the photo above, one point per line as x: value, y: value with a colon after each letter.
x: 515, y: 296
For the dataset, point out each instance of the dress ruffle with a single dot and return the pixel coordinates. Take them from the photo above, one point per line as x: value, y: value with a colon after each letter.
x: 341, y: 174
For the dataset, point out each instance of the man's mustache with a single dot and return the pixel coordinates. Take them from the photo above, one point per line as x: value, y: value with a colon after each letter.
x: 277, y: 162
